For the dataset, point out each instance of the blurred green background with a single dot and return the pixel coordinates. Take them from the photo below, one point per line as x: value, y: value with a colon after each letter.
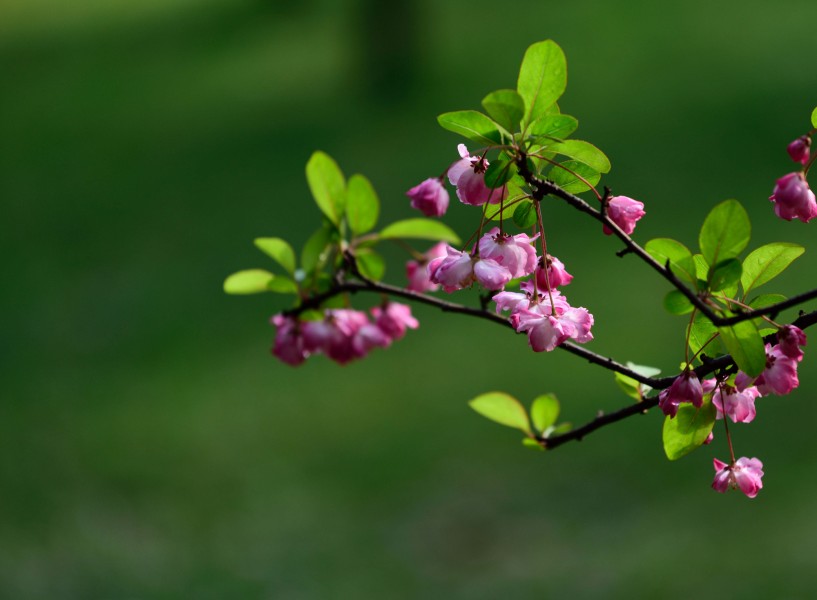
x: 151, y: 448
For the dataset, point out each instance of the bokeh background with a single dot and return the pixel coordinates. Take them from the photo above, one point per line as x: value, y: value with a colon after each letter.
x: 150, y: 447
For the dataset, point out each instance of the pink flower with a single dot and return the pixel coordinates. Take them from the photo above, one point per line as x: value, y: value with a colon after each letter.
x: 454, y: 271
x: 368, y: 337
x: 624, y: 212
x: 490, y: 274
x: 393, y: 319
x: 289, y: 344
x: 793, y: 199
x: 417, y: 271
x: 746, y: 474
x: 335, y: 335
x: 468, y: 175
x: 515, y: 253
x: 556, y: 274
x: 737, y: 405
x: 685, y: 388
x: 789, y: 340
x: 780, y: 376
x: 547, y: 330
x: 799, y: 149
x: 429, y: 197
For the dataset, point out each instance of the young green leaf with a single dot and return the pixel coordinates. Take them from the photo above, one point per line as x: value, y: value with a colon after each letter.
x: 726, y: 273
x: 362, y: 205
x: 423, y: 229
x: 525, y: 214
x: 503, y: 409
x: 282, y: 285
x: 688, y: 430
x: 506, y: 107
x: 584, y: 152
x: 472, y: 125
x: 327, y: 184
x: 567, y: 176
x: 544, y: 411
x: 814, y: 118
x: 553, y: 126
x: 370, y: 263
x: 315, y: 248
x: 279, y: 250
x: 700, y: 332
x: 629, y: 386
x: 500, y: 172
x: 678, y: 255
x: 505, y: 211
x: 725, y: 232
x: 676, y: 303
x: 249, y: 281
x: 765, y: 300
x: 532, y: 444
x: 542, y: 78
x: 745, y: 344
x: 767, y: 262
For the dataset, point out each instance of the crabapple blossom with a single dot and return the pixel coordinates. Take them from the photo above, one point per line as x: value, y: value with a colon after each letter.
x: 793, y: 199
x: 685, y: 388
x: 454, y: 271
x: 624, y: 212
x: 515, y: 253
x: 547, y: 329
x: 417, y: 272
x: 738, y: 405
x: 429, y: 197
x: 554, y: 276
x: 367, y: 337
x: 799, y: 149
x: 789, y: 339
x: 745, y: 473
x: 289, y: 344
x: 468, y: 175
x: 335, y: 335
x: 780, y: 376
x: 393, y: 319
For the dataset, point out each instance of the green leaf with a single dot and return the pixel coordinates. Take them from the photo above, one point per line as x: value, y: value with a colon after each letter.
x: 503, y: 409
x: 678, y: 255
x: 542, y: 78
x: 726, y: 273
x: 558, y: 429
x: 506, y: 209
x: 566, y: 177
x: 700, y: 332
x: 315, y: 250
x: 500, y: 172
x: 525, y: 214
x: 725, y: 232
x: 676, y: 303
x: 249, y: 281
x: 506, y: 107
x: 814, y: 118
x: 701, y: 267
x: 745, y: 344
x: 584, y: 152
x: 765, y: 300
x: 371, y: 264
x: 532, y: 444
x: 421, y: 229
x: 688, y: 430
x: 767, y: 262
x: 471, y: 124
x: 544, y: 411
x: 282, y: 285
x: 279, y: 250
x: 327, y: 185
x: 629, y: 386
x: 362, y: 205
x: 554, y: 126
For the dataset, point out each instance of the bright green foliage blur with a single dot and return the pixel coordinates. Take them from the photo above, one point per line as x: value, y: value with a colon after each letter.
x: 151, y: 447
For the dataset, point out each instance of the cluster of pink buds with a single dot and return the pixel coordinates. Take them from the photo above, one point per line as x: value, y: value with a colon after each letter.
x: 792, y: 197
x: 343, y: 334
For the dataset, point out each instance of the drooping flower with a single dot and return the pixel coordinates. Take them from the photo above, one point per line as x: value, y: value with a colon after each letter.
x: 393, y: 319
x: 368, y: 337
x: 289, y: 344
x: 515, y: 253
x: 686, y: 388
x: 780, y: 375
x: 547, y: 329
x: 746, y: 474
x: 490, y: 274
x: 556, y: 275
x: 335, y: 335
x: 738, y: 405
x: 789, y: 339
x: 793, y: 199
x: 429, y: 197
x: 468, y: 175
x: 624, y: 212
x: 454, y: 271
x: 417, y: 271
x: 799, y: 149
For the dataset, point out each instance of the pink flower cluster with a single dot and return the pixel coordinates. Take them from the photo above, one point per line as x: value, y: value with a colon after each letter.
x: 343, y: 334
x: 792, y: 197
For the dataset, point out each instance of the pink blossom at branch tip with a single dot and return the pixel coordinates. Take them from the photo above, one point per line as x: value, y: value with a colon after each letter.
x: 736, y: 404
x: 417, y: 271
x: 793, y: 199
x: 685, y: 388
x: 556, y: 275
x: 515, y: 253
x: 289, y: 344
x: 468, y: 175
x: 780, y: 376
x: 789, y: 339
x: 429, y: 197
x: 624, y: 212
x: 746, y: 474
x: 799, y: 149
x: 393, y: 319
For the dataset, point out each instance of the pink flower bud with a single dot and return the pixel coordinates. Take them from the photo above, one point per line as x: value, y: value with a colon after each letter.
x: 393, y: 319
x: 624, y: 212
x: 685, y: 388
x: 429, y: 197
x: 468, y: 175
x: 746, y: 474
x: 793, y: 199
x: 289, y: 344
x: 799, y: 149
